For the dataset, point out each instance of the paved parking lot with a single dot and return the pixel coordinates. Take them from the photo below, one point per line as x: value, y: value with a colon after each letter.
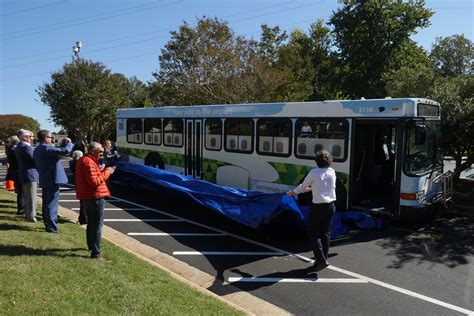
x: 398, y: 271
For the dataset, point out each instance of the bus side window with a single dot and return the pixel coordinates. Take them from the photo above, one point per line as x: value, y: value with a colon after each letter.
x: 273, y: 137
x: 134, y: 130
x: 173, y: 132
x: 315, y: 134
x: 239, y: 135
x: 213, y: 134
x: 152, y: 131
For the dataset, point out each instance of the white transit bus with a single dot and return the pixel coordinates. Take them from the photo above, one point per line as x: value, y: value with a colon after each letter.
x: 386, y: 151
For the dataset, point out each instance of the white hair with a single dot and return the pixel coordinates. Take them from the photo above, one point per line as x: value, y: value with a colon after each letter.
x: 76, y: 154
x: 14, y: 140
x: 92, y: 146
x: 23, y: 134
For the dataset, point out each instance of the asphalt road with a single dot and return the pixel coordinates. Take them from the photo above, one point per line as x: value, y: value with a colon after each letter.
x: 423, y: 269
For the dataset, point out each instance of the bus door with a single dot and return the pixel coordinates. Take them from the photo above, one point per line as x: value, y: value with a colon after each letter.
x: 375, y: 166
x: 193, y: 148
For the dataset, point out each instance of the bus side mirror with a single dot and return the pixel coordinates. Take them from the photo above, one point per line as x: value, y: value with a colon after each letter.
x: 420, y: 136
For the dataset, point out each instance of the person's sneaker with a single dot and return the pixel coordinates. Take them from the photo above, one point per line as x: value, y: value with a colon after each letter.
x: 99, y: 257
x: 318, y: 266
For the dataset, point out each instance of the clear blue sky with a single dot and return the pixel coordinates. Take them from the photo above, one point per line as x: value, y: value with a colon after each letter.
x: 36, y: 36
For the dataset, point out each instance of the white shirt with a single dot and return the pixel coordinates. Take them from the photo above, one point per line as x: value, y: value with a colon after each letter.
x: 323, y: 185
x: 306, y: 129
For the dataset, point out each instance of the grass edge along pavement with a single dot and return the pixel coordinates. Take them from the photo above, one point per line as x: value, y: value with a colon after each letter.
x: 183, y: 272
x: 52, y: 274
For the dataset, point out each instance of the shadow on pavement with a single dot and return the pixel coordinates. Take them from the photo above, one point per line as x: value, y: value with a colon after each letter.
x: 446, y: 239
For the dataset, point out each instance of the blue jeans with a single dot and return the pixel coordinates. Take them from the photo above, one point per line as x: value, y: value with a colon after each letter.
x: 95, y: 218
x: 50, y: 197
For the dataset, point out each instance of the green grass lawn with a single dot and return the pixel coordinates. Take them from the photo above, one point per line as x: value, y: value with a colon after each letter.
x: 43, y: 273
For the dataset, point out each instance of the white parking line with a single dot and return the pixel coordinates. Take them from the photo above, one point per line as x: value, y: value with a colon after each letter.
x: 227, y: 253
x: 115, y: 209
x: 293, y: 280
x: 401, y: 290
x: 141, y: 220
x: 176, y: 234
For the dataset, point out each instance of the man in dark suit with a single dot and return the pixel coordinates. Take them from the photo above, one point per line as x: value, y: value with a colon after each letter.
x: 51, y: 175
x: 12, y: 174
x: 27, y: 173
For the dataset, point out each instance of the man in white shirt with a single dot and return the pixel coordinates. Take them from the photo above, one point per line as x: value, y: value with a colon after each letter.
x: 322, y: 182
x: 306, y: 130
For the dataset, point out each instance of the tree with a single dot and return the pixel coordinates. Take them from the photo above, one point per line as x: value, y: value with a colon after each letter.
x: 368, y: 34
x: 83, y: 98
x: 271, y: 42
x: 456, y: 96
x: 410, y: 81
x: 453, y: 56
x: 204, y: 65
x: 450, y: 83
x: 410, y: 72
x: 11, y: 123
x: 209, y: 64
x: 136, y: 92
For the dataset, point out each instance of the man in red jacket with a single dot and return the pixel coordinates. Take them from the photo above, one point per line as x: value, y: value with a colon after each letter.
x: 91, y: 189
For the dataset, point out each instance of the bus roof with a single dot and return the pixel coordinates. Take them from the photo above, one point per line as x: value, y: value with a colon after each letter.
x: 400, y: 107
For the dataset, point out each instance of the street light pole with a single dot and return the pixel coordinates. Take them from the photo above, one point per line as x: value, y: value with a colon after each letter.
x: 76, y: 49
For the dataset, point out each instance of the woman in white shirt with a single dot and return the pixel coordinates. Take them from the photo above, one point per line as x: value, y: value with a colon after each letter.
x: 322, y: 182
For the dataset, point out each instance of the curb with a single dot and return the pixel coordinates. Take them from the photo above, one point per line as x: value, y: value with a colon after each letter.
x: 181, y: 271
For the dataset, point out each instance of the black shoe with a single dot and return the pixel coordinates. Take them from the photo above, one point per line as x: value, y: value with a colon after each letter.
x: 318, y: 266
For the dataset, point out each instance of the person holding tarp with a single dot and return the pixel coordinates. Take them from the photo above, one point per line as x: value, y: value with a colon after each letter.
x: 322, y: 183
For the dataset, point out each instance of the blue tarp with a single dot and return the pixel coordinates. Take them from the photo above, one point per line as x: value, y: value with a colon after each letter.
x: 251, y: 208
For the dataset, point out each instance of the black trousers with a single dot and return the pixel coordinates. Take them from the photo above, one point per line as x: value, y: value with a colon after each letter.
x: 20, y: 202
x: 319, y: 222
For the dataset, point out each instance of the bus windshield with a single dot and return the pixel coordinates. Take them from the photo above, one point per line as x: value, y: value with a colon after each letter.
x: 423, y: 142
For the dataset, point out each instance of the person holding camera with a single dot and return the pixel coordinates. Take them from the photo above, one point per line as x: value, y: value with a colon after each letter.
x: 110, y: 153
x: 51, y: 175
x: 91, y: 190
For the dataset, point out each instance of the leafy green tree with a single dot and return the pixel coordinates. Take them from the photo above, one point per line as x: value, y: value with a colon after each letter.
x: 209, y: 64
x: 11, y: 123
x: 326, y: 66
x: 271, y: 42
x: 456, y: 95
x: 448, y: 82
x: 83, y: 97
x: 204, y: 65
x: 410, y: 81
x: 453, y: 56
x: 368, y: 34
x: 136, y: 92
